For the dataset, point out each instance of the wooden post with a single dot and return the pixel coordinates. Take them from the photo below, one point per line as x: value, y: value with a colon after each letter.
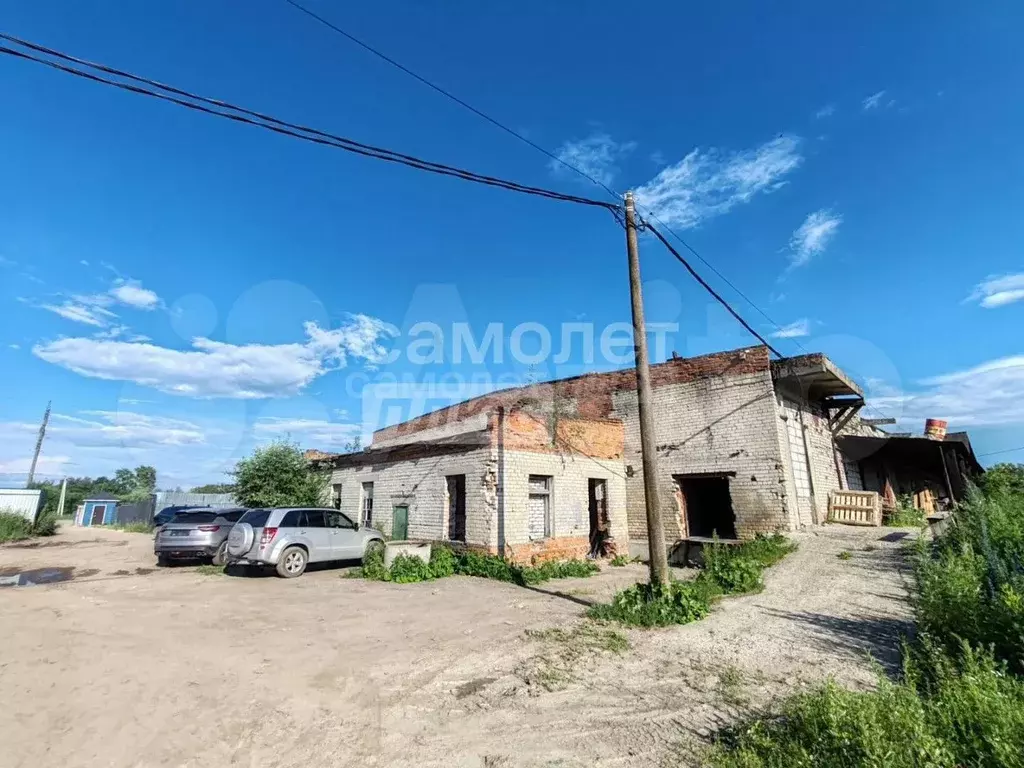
x: 658, y: 555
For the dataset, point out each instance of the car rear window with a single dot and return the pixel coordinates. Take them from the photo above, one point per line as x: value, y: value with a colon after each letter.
x: 232, y: 516
x: 194, y: 517
x: 257, y: 518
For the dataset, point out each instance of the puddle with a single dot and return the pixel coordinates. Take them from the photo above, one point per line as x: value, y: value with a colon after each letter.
x: 34, y: 577
x: 16, y: 577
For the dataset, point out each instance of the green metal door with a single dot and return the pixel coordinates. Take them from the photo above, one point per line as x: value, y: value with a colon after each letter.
x: 400, y: 522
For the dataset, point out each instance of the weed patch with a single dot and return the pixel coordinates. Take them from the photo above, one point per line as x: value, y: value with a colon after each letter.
x: 444, y: 562
x: 619, y: 561
x: 137, y: 527
x: 960, y: 699
x: 563, y: 650
x: 14, y: 527
x: 210, y: 570
x: 728, y: 570
x: 845, y: 555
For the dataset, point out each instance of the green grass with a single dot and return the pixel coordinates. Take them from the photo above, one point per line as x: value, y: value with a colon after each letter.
x: 906, y: 515
x: 619, y: 561
x: 967, y: 712
x: 728, y: 570
x: 444, y: 562
x: 132, y: 527
x: 960, y: 698
x: 210, y: 570
x: 845, y: 555
x: 14, y: 527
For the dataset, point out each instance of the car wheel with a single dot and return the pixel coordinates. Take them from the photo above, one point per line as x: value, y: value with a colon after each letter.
x: 373, y: 547
x: 221, y: 555
x: 292, y: 563
x: 163, y: 561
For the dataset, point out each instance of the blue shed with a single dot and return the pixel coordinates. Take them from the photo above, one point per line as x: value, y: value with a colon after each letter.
x: 99, y: 511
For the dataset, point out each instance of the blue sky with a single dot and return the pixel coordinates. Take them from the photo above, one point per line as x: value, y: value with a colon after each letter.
x: 184, y: 288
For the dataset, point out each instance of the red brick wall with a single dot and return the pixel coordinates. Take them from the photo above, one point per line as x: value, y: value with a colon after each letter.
x: 568, y: 548
x: 525, y: 431
x: 591, y: 392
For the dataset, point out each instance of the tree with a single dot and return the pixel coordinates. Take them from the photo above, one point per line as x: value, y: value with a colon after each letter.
x: 145, y: 478
x: 278, y: 475
x: 214, y: 488
x: 1003, y: 478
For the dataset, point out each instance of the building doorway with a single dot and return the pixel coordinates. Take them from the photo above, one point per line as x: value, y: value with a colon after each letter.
x: 597, y: 501
x: 708, y: 506
x: 98, y: 513
x: 456, y: 507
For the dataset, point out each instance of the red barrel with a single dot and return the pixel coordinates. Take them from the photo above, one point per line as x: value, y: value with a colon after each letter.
x: 935, y: 429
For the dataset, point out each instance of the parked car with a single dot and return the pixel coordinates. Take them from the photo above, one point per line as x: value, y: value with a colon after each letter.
x: 196, y: 533
x: 289, y: 539
x: 165, y: 516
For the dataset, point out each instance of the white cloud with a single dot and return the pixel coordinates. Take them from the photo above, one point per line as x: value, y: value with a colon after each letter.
x: 597, y: 156
x: 14, y: 346
x: 94, y: 308
x: 91, y: 429
x: 873, y: 101
x: 827, y: 111
x: 46, y: 466
x: 795, y: 330
x: 708, y: 183
x: 813, y: 236
x: 306, y: 431
x: 79, y: 312
x: 989, y: 394
x: 216, y: 369
x: 84, y: 263
x: 132, y: 294
x: 999, y: 291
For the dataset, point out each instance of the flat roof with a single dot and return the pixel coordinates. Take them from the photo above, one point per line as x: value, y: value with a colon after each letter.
x: 815, y: 375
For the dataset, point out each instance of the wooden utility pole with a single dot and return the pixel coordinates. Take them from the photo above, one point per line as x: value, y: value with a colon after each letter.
x: 39, y: 446
x: 658, y: 555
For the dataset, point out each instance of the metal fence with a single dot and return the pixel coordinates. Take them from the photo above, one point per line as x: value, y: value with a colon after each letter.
x: 165, y: 499
x: 21, y: 502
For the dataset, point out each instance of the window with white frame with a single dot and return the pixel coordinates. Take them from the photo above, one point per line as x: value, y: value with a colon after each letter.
x: 540, y: 518
x: 367, y: 510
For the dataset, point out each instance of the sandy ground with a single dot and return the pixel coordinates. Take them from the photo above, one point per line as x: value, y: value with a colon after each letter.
x: 171, y: 667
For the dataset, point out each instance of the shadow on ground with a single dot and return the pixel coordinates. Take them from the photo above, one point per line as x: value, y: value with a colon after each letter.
x: 878, y: 636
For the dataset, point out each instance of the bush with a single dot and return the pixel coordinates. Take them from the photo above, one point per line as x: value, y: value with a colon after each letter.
x: 650, y: 605
x: 730, y: 569
x: 45, y: 525
x: 967, y: 711
x: 444, y: 562
x: 14, y: 527
x: 406, y: 569
x: 619, y: 561
x: 767, y: 550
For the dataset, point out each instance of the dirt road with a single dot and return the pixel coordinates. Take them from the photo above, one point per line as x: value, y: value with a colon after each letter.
x: 171, y: 667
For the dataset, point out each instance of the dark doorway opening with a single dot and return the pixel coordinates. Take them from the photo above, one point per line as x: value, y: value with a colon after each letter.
x: 708, y: 506
x: 99, y: 511
x: 456, y: 507
x: 597, y: 501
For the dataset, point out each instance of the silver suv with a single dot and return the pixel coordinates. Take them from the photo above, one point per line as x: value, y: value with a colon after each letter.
x: 196, y: 533
x: 291, y: 538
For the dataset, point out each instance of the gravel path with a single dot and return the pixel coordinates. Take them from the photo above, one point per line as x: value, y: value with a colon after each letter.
x: 126, y: 667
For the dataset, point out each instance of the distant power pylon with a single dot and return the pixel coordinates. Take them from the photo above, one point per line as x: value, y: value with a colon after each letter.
x: 39, y: 445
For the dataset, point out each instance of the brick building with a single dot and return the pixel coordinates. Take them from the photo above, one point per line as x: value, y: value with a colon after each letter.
x: 745, y: 446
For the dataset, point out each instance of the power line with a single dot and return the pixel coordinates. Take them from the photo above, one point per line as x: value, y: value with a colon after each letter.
x: 240, y: 114
x: 1005, y: 450
x: 448, y: 94
x: 617, y: 195
x: 711, y: 290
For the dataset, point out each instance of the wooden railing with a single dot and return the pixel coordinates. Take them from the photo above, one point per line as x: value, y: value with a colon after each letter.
x: 855, y: 508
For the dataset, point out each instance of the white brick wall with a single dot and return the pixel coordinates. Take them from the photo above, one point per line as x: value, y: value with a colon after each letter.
x: 713, y: 424
x: 420, y: 484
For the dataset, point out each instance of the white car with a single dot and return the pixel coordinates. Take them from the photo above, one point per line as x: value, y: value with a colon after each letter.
x: 289, y: 538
